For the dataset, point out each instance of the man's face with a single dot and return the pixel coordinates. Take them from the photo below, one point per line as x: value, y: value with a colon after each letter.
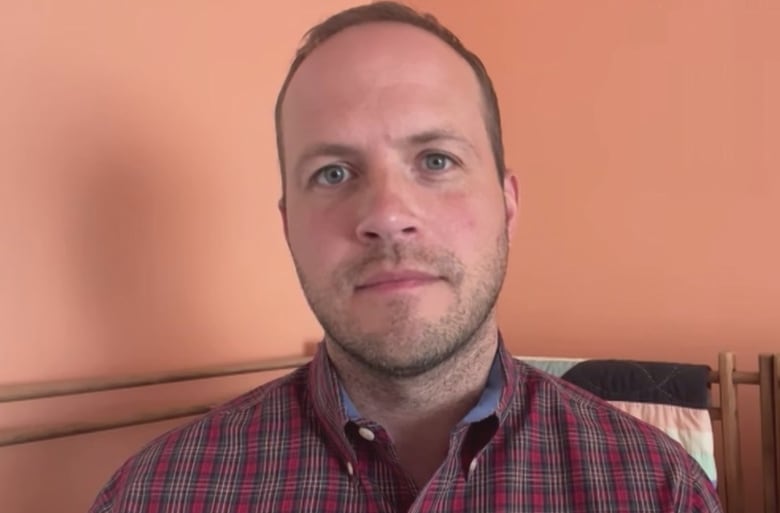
x: 394, y: 213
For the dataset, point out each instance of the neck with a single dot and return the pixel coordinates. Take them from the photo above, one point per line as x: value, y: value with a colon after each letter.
x: 420, y: 412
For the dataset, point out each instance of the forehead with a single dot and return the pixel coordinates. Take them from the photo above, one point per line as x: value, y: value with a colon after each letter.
x: 387, y: 69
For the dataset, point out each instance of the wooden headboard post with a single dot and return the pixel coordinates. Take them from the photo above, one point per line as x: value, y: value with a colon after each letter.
x: 769, y: 390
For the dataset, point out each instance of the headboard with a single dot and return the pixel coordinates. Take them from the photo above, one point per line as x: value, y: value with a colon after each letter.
x: 769, y: 391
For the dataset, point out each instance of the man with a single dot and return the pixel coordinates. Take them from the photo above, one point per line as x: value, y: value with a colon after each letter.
x: 398, y: 212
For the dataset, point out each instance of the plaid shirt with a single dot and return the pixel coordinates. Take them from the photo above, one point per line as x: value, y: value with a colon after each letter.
x: 293, y: 445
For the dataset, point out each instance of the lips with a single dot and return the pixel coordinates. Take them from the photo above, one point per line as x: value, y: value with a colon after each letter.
x: 392, y: 280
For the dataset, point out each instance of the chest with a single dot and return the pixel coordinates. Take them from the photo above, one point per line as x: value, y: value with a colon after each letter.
x: 508, y: 475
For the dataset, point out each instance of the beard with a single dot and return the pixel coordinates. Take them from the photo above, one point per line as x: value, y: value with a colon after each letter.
x: 406, y: 344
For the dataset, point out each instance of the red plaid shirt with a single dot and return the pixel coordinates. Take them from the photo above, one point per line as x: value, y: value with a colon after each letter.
x: 290, y: 446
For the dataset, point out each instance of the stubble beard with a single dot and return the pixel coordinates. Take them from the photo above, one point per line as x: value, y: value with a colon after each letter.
x: 408, y: 346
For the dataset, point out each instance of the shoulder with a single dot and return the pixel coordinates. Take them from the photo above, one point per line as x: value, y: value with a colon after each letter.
x: 602, y: 442
x: 177, y: 457
x: 592, y: 417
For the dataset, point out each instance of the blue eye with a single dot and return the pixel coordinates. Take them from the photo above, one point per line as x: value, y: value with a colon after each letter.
x: 437, y: 161
x: 332, y: 175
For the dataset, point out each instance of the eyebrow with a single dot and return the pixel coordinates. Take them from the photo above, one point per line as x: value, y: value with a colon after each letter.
x: 436, y: 135
x: 329, y: 149
x: 339, y: 150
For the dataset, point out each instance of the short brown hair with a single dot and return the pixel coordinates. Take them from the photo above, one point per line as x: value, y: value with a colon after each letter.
x: 389, y: 11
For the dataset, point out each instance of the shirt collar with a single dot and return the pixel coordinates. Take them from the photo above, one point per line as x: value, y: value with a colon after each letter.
x: 486, y: 406
x: 335, y: 409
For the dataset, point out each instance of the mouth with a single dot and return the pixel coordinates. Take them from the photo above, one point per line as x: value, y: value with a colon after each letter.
x: 392, y: 281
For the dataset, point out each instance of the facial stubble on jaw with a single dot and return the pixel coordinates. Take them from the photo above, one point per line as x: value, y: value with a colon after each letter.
x: 405, y: 346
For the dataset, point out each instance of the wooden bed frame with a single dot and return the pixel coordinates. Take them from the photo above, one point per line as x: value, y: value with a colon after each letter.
x: 769, y: 377
x: 723, y: 412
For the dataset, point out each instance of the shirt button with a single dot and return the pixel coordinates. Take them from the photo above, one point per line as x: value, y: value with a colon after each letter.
x: 472, y: 465
x: 350, y: 470
x: 367, y: 434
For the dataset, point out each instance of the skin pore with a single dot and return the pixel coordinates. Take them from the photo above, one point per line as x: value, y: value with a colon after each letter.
x: 398, y: 227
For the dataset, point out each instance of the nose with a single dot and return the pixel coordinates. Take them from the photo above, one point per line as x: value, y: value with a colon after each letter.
x: 388, y: 212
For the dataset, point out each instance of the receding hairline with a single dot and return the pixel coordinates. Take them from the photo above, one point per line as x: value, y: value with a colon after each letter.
x: 434, y: 38
x: 392, y: 12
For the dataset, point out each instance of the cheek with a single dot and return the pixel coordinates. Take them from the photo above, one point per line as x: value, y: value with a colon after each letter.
x: 314, y: 240
x: 465, y: 221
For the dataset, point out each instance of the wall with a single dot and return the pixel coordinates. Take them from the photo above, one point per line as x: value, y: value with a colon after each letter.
x: 138, y: 181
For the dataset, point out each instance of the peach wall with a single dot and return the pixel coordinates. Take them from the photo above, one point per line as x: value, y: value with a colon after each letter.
x: 138, y: 181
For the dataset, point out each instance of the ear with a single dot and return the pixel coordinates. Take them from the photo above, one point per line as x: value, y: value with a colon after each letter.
x: 511, y: 201
x: 283, y: 212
